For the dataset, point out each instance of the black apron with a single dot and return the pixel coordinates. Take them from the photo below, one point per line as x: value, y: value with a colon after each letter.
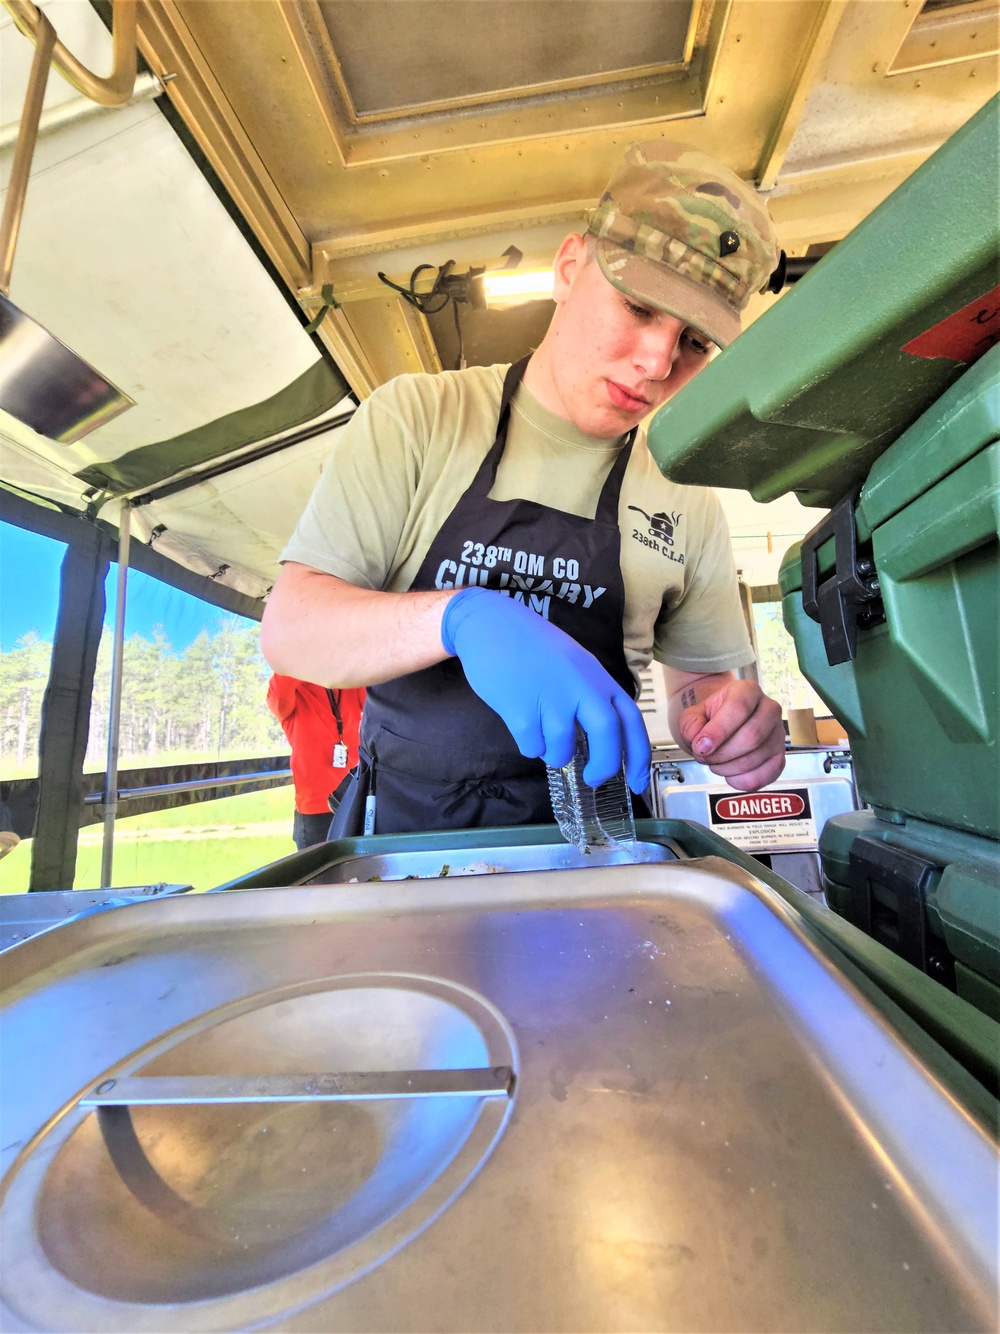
x: 436, y: 755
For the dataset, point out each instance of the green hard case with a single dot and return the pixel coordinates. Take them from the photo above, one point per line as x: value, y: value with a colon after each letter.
x: 811, y: 394
x: 959, y: 899
x: 920, y: 698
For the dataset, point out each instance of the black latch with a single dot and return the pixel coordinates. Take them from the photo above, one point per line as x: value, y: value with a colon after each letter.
x: 901, y: 922
x: 849, y: 595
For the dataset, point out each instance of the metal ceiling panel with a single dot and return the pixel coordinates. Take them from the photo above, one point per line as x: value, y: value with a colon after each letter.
x: 860, y: 111
x: 945, y: 34
x: 500, y: 172
x: 396, y: 59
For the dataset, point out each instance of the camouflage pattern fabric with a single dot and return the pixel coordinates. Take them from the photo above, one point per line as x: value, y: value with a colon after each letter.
x: 670, y: 207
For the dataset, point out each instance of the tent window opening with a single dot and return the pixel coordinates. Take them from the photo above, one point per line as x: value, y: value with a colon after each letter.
x: 778, y: 663
x: 193, y: 682
x: 29, y: 602
x: 193, y: 694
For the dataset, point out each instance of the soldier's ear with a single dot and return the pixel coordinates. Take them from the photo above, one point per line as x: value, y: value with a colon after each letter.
x: 570, y: 258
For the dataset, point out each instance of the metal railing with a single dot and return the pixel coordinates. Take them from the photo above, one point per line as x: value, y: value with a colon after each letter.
x: 189, y: 785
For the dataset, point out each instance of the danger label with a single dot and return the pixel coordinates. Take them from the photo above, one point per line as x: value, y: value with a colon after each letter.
x: 763, y: 821
x: 760, y: 806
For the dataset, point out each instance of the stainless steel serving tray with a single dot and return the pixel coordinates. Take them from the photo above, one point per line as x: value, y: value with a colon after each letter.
x: 428, y: 864
x: 24, y: 915
x: 703, y: 1126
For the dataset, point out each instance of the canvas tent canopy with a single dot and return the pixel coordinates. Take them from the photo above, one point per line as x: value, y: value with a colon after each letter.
x: 129, y: 256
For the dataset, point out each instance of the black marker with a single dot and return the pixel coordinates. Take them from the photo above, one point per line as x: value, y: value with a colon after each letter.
x: 370, y: 800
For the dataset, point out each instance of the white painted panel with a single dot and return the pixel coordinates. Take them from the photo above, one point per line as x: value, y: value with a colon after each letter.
x: 127, y: 255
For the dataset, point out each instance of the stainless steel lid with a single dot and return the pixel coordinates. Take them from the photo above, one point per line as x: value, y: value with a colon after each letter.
x: 710, y: 1127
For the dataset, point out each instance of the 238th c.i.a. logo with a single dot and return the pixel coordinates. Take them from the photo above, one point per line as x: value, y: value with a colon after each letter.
x: 661, y: 525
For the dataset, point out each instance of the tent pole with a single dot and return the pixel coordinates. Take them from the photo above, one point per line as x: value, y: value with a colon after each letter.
x: 115, y: 703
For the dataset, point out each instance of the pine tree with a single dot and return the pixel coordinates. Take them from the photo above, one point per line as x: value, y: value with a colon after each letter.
x: 23, y: 674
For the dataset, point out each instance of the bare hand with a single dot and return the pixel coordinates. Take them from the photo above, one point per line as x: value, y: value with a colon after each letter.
x: 737, y: 732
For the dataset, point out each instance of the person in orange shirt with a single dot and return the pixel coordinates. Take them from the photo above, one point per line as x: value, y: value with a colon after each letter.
x: 322, y: 728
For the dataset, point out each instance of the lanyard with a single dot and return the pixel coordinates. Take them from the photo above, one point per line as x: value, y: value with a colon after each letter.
x: 334, y: 697
x: 340, y: 754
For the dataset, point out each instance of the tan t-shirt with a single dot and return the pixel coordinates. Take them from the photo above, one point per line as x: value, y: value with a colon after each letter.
x: 411, y: 450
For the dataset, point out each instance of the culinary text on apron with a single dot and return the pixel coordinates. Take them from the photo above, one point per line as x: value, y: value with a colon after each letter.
x: 445, y: 759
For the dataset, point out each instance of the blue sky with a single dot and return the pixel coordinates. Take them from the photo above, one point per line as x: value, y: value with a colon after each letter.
x: 29, y: 593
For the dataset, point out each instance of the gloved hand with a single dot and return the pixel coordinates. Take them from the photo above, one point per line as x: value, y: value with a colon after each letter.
x: 541, y: 682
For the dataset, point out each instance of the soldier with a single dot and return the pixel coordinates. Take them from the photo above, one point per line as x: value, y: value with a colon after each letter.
x: 487, y: 548
x: 322, y: 728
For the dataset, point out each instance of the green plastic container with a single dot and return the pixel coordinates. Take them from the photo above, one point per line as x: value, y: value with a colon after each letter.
x: 920, y: 698
x: 810, y: 396
x: 932, y: 895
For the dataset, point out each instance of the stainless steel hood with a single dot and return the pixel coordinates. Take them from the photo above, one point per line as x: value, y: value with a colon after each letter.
x: 44, y: 384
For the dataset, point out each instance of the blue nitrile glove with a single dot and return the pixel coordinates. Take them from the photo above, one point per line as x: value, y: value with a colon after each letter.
x: 541, y: 682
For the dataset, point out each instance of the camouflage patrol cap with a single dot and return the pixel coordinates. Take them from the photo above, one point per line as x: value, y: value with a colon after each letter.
x: 677, y: 231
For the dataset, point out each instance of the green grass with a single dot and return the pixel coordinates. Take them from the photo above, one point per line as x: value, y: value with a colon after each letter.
x: 203, y: 863
x: 206, y: 844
